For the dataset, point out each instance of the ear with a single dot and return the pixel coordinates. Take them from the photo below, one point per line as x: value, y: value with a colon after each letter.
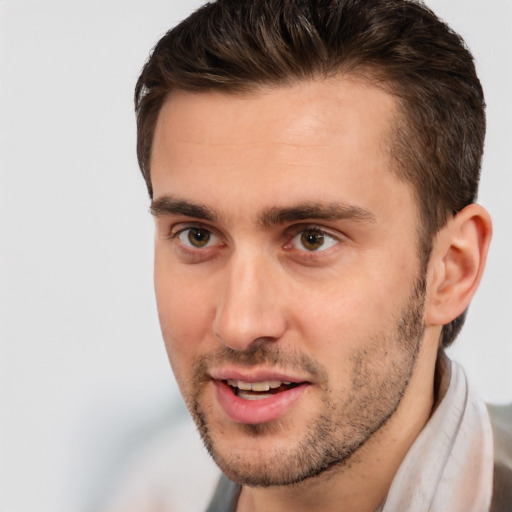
x: 456, y: 264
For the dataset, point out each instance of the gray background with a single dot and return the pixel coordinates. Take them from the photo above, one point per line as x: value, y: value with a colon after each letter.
x: 82, y: 365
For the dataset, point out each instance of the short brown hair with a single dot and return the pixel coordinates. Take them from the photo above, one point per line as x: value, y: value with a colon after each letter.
x: 400, y: 45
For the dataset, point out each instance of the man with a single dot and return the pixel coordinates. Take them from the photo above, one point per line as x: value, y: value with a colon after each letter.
x: 313, y: 168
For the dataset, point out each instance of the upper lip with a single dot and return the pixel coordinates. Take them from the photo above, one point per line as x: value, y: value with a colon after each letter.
x: 255, y: 375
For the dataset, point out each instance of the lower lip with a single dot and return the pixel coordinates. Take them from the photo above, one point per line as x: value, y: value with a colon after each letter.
x: 252, y: 412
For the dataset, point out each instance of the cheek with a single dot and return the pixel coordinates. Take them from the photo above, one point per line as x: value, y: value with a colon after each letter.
x: 180, y: 328
x: 351, y: 318
x: 183, y: 310
x: 347, y: 306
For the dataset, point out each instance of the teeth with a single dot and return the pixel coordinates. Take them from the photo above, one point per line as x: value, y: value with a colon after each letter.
x: 257, y: 386
x: 248, y: 396
x: 260, y: 386
x: 246, y: 386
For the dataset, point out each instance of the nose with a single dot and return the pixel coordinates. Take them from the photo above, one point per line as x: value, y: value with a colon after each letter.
x: 249, y: 309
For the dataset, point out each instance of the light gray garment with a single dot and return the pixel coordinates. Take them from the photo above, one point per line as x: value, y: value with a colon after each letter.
x: 450, y: 465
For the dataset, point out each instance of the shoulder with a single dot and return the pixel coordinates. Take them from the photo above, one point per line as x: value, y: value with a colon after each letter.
x: 501, y: 421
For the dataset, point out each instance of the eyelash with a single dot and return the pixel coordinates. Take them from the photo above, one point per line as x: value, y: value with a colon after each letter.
x: 176, y: 233
x: 291, y: 235
x: 326, y: 237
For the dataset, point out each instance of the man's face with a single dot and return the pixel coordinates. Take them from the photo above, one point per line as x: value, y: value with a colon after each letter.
x: 287, y: 275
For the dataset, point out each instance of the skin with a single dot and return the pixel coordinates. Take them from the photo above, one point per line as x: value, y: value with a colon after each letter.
x: 355, y: 316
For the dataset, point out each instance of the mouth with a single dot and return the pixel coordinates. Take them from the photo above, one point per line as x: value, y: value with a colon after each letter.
x: 259, y: 390
x: 261, y: 397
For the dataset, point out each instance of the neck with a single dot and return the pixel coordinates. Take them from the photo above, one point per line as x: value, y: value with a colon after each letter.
x: 362, y: 482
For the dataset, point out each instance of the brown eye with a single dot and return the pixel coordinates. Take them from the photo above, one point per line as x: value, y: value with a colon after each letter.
x: 198, y: 238
x: 312, y: 240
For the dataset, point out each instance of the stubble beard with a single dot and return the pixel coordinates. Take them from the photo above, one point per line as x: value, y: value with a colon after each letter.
x: 380, y: 375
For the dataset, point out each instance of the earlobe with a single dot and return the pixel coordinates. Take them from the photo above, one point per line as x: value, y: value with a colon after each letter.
x: 457, y: 264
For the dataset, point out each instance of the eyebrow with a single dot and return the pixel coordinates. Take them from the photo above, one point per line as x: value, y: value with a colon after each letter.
x: 321, y: 211
x: 168, y: 206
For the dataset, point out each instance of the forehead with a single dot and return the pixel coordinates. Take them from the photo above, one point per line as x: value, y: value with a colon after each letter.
x: 305, y: 114
x: 322, y: 140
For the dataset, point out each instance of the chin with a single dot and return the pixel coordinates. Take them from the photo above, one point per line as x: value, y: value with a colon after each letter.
x: 264, y: 455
